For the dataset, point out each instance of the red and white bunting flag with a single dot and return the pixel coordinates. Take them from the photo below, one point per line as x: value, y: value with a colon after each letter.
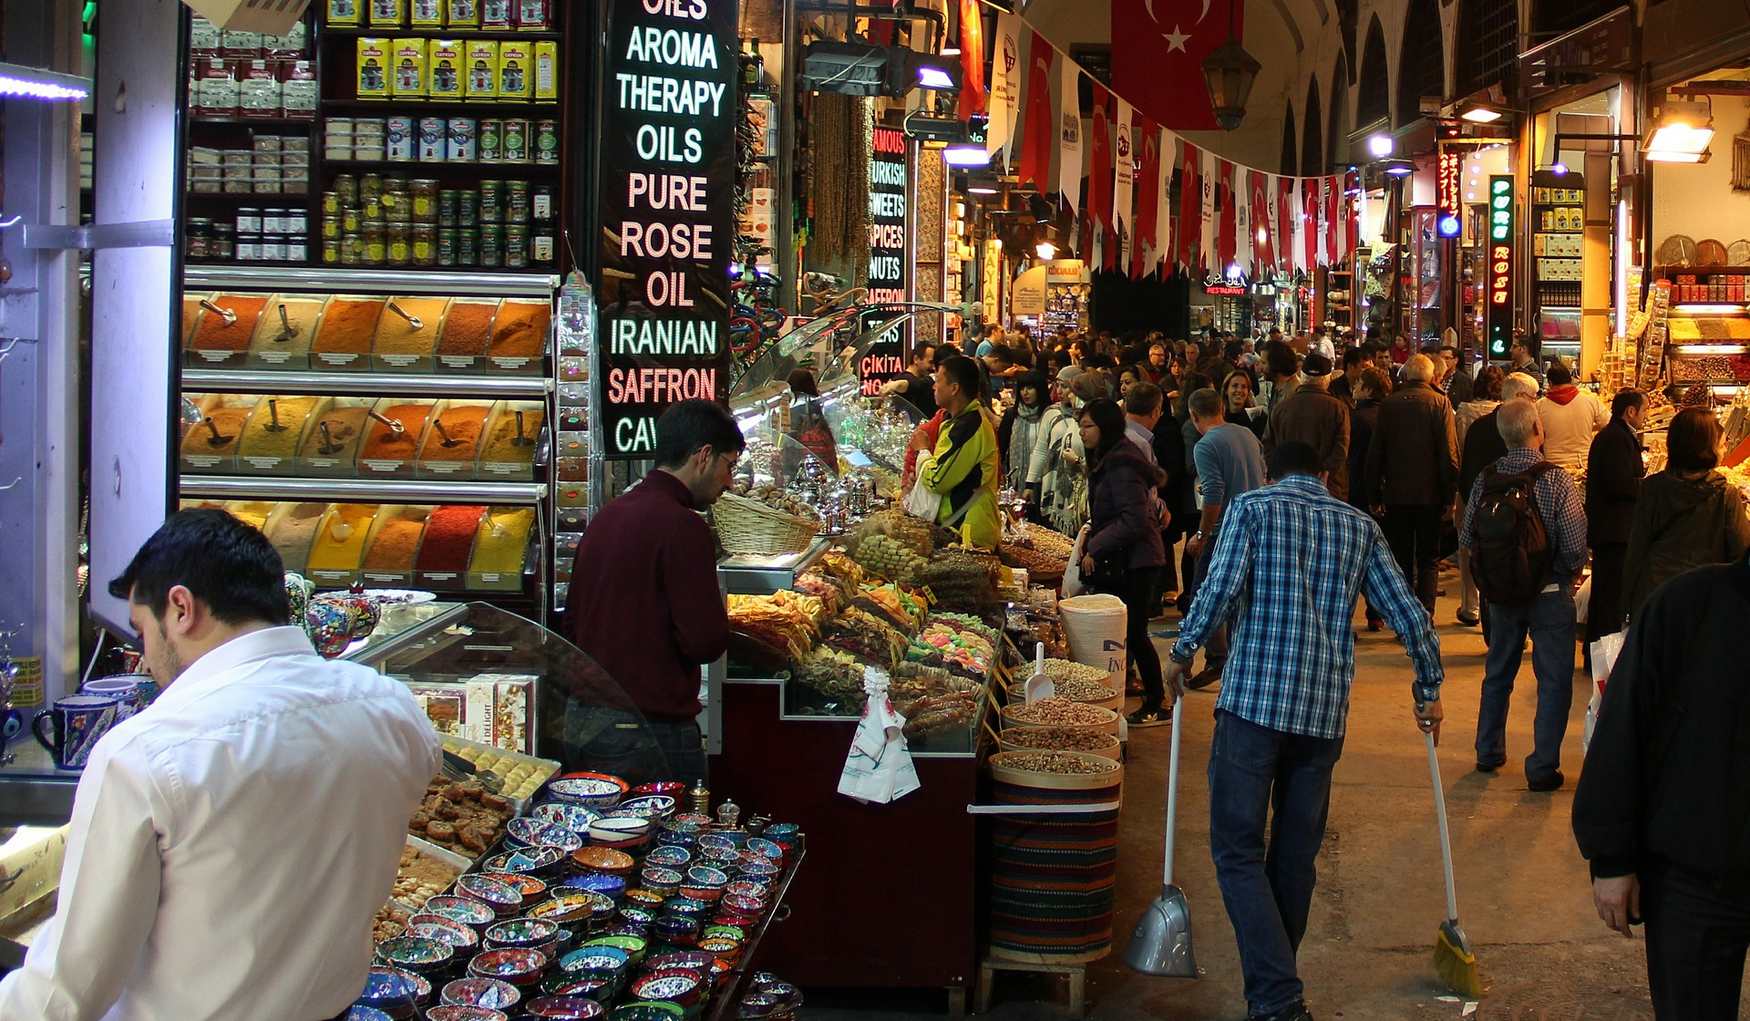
x: 1284, y: 236
x: 1189, y: 228
x: 1039, y: 134
x: 1068, y: 113
x: 1099, y: 145
x: 1333, y: 187
x: 1146, y: 248
x: 1005, y: 85
x: 1309, y: 223
x: 972, y: 92
x: 1123, y: 181
x: 1227, y: 230
x: 1208, y: 181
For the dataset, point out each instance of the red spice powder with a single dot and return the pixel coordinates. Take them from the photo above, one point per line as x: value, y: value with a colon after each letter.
x: 521, y: 330
x: 215, y: 334
x: 381, y: 444
x: 348, y: 326
x: 449, y: 538
x: 466, y: 328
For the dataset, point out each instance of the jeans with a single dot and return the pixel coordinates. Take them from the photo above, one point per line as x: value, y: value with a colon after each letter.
x: 625, y: 744
x: 1414, y: 536
x: 1550, y: 622
x: 1255, y: 771
x: 1696, y: 942
x: 1137, y: 590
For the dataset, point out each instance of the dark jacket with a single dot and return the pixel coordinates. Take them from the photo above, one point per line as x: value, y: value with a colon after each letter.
x: 1483, y: 446
x: 1321, y: 421
x: 1460, y: 387
x: 1666, y: 780
x: 1257, y: 423
x: 1362, y: 421
x: 1176, y: 488
x: 1188, y: 436
x: 1681, y: 524
x: 1413, y: 461
x: 1613, y: 480
x: 1123, y: 532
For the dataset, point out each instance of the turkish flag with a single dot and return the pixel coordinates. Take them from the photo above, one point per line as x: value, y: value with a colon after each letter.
x: 1310, y: 216
x: 1145, y: 248
x: 1190, y: 206
x: 1333, y: 185
x: 1225, y: 233
x: 1283, y: 238
x: 1352, y: 214
x: 1100, y: 167
x: 972, y: 92
x: 1263, y: 257
x: 1039, y: 134
x: 1158, y: 47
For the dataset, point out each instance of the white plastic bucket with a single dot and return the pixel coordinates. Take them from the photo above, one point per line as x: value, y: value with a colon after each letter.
x: 1094, y: 625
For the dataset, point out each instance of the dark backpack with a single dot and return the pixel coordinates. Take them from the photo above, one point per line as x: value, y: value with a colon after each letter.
x: 1511, y: 556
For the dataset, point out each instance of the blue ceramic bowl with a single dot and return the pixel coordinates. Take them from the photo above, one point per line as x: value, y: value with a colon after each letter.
x: 596, y: 882
x: 591, y: 790
x: 418, y: 954
x: 671, y: 856
x: 564, y: 1008
x: 466, y: 910
x: 481, y: 992
x: 575, y: 818
x: 394, y: 992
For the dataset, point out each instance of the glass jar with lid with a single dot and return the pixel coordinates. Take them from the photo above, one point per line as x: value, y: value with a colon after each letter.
x: 424, y: 194
x: 376, y: 242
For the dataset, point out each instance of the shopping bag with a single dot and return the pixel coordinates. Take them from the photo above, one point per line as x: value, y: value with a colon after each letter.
x: 1073, y: 583
x: 878, y: 768
x: 920, y: 500
x: 1604, y: 652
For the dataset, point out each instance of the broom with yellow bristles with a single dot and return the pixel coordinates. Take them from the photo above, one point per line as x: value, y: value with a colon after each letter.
x: 1454, y: 960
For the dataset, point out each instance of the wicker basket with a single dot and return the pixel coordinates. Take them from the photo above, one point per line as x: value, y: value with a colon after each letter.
x: 748, y: 526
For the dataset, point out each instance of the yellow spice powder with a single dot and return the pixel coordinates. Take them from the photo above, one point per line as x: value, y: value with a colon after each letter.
x: 502, y: 540
x: 341, y: 539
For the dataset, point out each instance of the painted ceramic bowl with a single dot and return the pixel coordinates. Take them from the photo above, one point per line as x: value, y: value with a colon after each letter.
x: 671, y: 788
x: 649, y: 806
x: 572, y: 908
x: 503, y: 898
x: 620, y: 830
x: 519, y: 967
x: 591, y: 790
x: 660, y: 880
x: 741, y: 905
x: 634, y: 946
x: 537, y: 861
x: 533, y: 888
x: 645, y: 897
x: 782, y: 831
x: 458, y: 1012
x: 360, y: 1012
x: 676, y: 930
x: 490, y: 993
x: 466, y: 910
x: 575, y: 818
x: 734, y: 932
x: 564, y: 1008
x: 703, y: 882
x: 685, y: 960
x: 675, y: 985
x: 603, y: 859
x: 597, y: 958
x: 648, y: 1010
x: 527, y: 831
x: 748, y: 888
x: 440, y: 928
x: 768, y: 848
x: 589, y: 987
x: 394, y: 992
x: 635, y: 915
x: 530, y: 933
x: 678, y: 838
x: 717, y: 842
x: 757, y: 869
x: 721, y: 947
x: 612, y: 887
x: 671, y: 856
x: 418, y: 954
x: 692, y: 907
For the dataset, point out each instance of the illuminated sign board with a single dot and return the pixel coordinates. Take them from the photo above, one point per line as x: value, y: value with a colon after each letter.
x: 1449, y: 191
x: 889, y: 178
x: 1500, y: 266
x: 665, y: 203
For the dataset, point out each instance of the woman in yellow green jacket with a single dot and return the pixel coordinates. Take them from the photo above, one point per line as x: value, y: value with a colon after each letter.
x: 966, y: 467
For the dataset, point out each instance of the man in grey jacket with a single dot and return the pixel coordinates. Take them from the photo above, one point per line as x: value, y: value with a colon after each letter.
x: 1313, y: 416
x: 1412, y: 474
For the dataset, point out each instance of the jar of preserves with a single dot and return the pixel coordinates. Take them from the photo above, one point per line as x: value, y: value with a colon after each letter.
x: 331, y: 251
x: 370, y: 187
x: 446, y: 208
x: 491, y: 201
x: 195, y: 240
x: 352, y: 250
x: 516, y: 246
x: 222, y: 242
x: 331, y: 228
x: 516, y: 202
x: 424, y: 244
x: 351, y: 222
x: 446, y: 246
x: 467, y: 209
x: 297, y: 248
x: 424, y: 200
x: 400, y: 239
x: 296, y: 221
x: 376, y: 238
x: 491, y: 245
x: 331, y: 204
x: 346, y: 191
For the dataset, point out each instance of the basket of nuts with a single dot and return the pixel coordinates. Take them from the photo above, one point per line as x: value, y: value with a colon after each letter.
x: 1056, y: 770
x: 1057, y: 711
x: 1058, y: 739
x: 1087, y: 692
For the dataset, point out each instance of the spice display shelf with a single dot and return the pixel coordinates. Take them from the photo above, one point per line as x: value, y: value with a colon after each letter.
x: 501, y: 34
x: 370, y: 281
x: 438, y: 168
x: 273, y: 381
x: 379, y: 490
x: 407, y: 106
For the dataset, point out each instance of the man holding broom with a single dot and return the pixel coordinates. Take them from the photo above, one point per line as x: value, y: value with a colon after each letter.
x: 1300, y: 557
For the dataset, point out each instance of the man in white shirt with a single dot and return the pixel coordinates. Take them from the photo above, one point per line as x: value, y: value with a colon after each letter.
x: 229, y: 845
x: 1571, y: 417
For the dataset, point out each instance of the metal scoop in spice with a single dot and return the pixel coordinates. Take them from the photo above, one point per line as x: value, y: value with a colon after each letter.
x: 394, y: 425
x: 412, y: 320
x: 273, y: 414
x: 287, y: 330
x: 520, y: 440
x: 328, y: 446
x: 438, y: 424
x: 228, y: 315
x: 218, y: 439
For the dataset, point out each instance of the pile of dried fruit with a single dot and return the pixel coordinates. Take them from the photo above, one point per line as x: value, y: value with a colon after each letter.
x: 1058, y: 763
x: 1059, y: 711
x: 1058, y: 739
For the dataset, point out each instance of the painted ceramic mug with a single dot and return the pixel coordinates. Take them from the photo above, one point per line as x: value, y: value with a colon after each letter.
x: 77, y: 722
x: 129, y: 691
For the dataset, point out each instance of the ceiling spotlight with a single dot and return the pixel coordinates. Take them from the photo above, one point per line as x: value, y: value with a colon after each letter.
x: 1399, y: 168
x: 1559, y: 169
x: 21, y: 82
x: 1045, y: 250
x: 980, y: 189
x: 1379, y: 146
x: 934, y: 78
x: 1481, y: 114
x: 1233, y: 271
x: 966, y: 156
x: 1681, y: 133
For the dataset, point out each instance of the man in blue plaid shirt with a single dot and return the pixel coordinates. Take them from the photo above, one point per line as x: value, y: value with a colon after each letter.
x: 1288, y: 565
x: 1549, y: 618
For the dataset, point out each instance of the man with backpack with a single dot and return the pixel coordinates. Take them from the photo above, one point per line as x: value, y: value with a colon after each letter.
x: 1526, y: 533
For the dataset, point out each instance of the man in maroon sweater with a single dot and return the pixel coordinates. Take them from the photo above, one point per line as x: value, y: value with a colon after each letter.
x: 645, y: 604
